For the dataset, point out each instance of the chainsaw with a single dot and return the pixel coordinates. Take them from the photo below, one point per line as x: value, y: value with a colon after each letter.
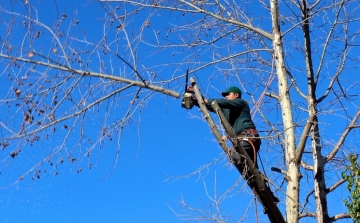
x: 188, y: 100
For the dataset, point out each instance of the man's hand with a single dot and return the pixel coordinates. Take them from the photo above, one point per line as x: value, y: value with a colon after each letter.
x: 223, y: 138
x: 190, y: 90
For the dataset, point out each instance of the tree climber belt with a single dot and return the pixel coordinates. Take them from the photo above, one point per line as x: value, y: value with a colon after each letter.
x: 252, y: 136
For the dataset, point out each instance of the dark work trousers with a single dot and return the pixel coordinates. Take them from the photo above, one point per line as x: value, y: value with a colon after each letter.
x: 243, y: 166
x: 248, y: 148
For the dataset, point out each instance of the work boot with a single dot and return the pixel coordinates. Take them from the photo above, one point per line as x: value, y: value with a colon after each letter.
x: 275, y: 199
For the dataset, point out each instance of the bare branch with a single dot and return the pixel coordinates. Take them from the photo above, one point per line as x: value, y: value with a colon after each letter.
x: 308, y: 214
x: 293, y: 82
x: 18, y: 136
x: 94, y: 74
x: 306, y: 166
x: 199, y: 10
x: 272, y: 96
x: 343, y: 137
x: 305, y: 134
x: 327, y: 42
x: 336, y: 185
x: 257, y: 30
x: 339, y: 216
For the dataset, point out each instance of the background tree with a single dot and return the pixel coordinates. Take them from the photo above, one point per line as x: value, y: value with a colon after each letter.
x: 351, y: 175
x: 271, y: 49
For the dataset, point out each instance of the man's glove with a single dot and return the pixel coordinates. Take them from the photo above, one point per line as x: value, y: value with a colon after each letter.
x: 190, y: 90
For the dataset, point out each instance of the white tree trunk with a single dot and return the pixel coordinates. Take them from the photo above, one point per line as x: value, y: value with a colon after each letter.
x: 292, y: 209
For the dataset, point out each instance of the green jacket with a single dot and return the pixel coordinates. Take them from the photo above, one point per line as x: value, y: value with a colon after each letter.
x: 237, y: 113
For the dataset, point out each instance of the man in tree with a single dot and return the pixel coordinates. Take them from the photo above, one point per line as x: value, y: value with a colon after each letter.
x: 237, y: 113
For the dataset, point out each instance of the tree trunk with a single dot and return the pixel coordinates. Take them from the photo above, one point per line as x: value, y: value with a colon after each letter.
x: 319, y: 162
x: 292, y: 198
x: 319, y: 179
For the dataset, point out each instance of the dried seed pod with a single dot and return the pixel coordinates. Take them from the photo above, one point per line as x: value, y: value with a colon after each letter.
x: 15, y: 153
x: 31, y: 54
x: 17, y: 92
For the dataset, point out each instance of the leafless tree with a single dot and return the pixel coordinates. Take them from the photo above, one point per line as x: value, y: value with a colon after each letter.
x: 57, y: 85
x: 270, y: 48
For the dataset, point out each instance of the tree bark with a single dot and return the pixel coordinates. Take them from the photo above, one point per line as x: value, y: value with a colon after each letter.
x: 322, y: 215
x: 292, y: 198
x: 319, y: 176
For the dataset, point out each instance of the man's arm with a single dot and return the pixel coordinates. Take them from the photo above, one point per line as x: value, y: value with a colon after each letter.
x: 208, y: 106
x: 228, y: 104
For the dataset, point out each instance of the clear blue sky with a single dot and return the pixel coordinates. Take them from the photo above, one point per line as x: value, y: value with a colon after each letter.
x: 142, y: 186
x: 140, y: 189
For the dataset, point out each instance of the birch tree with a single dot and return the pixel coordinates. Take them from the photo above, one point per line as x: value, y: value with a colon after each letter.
x: 295, y: 60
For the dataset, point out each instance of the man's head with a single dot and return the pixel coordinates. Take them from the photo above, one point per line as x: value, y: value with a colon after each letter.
x: 232, y: 93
